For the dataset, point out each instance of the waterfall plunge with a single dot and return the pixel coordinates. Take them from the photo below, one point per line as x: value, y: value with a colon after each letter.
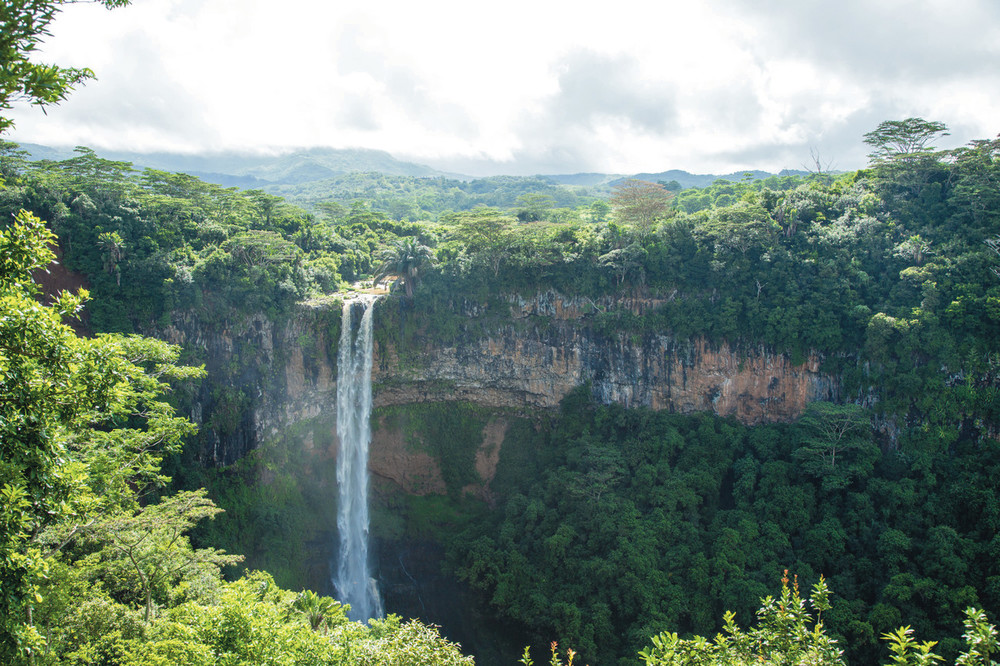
x: 353, y: 581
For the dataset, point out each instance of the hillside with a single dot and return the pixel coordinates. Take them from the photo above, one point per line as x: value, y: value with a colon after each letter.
x: 313, y: 177
x: 278, y: 168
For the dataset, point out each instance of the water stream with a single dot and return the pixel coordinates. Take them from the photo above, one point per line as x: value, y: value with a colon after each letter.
x: 353, y: 580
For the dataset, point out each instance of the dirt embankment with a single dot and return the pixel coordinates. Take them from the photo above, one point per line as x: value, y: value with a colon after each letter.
x: 56, y: 279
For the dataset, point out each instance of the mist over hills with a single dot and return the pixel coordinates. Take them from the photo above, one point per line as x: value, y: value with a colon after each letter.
x: 685, y: 179
x: 258, y: 169
x: 264, y: 171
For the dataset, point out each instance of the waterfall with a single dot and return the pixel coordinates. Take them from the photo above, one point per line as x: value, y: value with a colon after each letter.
x: 353, y: 580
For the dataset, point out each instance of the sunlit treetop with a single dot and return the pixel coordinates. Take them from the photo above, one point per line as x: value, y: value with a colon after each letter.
x: 895, y: 139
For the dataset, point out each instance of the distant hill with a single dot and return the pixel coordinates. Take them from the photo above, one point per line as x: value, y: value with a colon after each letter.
x: 257, y: 170
x: 684, y: 178
x: 687, y: 180
x: 318, y: 163
x: 585, y: 179
x: 403, y: 190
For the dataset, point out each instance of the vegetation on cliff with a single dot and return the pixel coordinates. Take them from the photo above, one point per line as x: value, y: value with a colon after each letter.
x: 886, y: 272
x: 95, y: 566
x: 606, y: 526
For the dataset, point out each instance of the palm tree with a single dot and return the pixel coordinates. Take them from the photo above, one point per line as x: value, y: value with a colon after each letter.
x: 405, y: 260
x: 319, y: 612
x: 114, y: 250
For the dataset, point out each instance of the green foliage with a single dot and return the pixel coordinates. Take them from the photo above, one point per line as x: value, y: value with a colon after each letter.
x: 154, y: 245
x: 153, y: 541
x: 247, y: 621
x: 903, y: 139
x: 322, y: 613
x: 405, y: 260
x: 392, y: 642
x: 837, y: 444
x: 486, y: 236
x: 24, y: 25
x: 82, y: 424
x: 785, y: 633
x: 412, y: 198
x: 611, y: 524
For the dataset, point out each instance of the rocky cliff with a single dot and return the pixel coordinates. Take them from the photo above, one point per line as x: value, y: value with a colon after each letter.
x: 266, y: 377
x: 549, y: 349
x: 272, y: 386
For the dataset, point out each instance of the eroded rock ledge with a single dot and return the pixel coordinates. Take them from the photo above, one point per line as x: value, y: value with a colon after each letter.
x: 280, y: 375
x: 518, y: 366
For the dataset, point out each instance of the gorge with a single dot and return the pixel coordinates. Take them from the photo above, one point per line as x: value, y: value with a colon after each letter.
x: 520, y: 371
x: 593, y: 415
x: 581, y: 430
x: 291, y: 367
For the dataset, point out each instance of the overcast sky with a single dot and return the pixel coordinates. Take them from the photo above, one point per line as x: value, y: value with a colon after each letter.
x: 525, y: 87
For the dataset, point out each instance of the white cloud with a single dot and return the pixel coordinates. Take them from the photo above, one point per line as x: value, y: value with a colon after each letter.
x: 551, y: 86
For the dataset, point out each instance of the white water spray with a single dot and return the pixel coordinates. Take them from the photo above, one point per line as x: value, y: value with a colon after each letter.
x: 353, y: 581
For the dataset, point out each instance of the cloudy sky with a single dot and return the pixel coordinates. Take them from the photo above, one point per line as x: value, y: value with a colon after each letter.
x: 523, y: 87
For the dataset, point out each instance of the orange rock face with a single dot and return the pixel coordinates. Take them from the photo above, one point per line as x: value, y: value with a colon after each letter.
x: 393, y: 459
x: 537, y: 367
x: 545, y: 349
x: 415, y: 471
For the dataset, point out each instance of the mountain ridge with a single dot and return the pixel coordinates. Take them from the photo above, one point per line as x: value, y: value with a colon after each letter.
x: 309, y: 165
x: 295, y: 167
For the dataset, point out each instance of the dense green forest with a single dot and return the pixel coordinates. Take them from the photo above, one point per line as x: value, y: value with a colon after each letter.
x: 888, y: 273
x: 409, y: 197
x: 611, y: 530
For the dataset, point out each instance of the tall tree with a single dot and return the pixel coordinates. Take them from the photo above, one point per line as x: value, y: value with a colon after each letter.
x: 406, y: 260
x: 625, y: 262
x: 837, y: 444
x: 534, y: 206
x: 599, y: 211
x: 113, y: 247
x: 641, y: 203
x: 486, y: 235
x: 154, y: 542
x: 903, y: 139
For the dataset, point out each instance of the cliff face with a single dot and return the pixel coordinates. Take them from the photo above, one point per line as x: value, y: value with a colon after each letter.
x: 266, y: 377
x: 509, y: 369
x: 273, y: 385
x: 537, y: 365
x: 263, y: 378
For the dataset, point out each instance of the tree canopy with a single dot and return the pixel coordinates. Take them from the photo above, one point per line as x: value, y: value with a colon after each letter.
x: 902, y: 139
x: 82, y: 424
x: 640, y: 203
